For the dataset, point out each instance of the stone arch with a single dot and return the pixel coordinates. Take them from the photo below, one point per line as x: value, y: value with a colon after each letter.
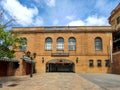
x: 60, y: 65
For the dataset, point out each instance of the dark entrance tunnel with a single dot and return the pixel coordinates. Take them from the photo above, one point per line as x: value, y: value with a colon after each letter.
x: 60, y: 66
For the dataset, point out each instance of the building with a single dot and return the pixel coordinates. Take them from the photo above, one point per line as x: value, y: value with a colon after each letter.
x: 114, y: 20
x: 79, y: 49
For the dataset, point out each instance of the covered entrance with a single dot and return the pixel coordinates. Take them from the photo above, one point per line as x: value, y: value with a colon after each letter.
x: 60, y: 66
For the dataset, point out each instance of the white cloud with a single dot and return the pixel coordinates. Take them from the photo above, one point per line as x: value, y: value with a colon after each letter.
x: 69, y: 17
x: 98, y: 21
x: 25, y: 16
x: 50, y: 3
x: 90, y: 21
x: 76, y: 23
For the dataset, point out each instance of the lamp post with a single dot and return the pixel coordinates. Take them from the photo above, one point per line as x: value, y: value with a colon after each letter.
x: 31, y: 57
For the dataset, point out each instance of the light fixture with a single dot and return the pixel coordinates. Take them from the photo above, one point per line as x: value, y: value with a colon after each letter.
x: 42, y: 59
x: 77, y: 60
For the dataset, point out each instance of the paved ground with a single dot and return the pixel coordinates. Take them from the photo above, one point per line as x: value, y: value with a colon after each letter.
x: 105, y: 81
x: 59, y: 81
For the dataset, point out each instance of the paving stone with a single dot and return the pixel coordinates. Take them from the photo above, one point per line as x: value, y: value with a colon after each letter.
x: 50, y: 81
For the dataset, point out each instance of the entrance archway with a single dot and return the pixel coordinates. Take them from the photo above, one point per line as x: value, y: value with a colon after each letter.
x: 60, y: 65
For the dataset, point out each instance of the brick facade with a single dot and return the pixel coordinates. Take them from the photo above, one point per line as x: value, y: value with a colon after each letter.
x: 85, y: 47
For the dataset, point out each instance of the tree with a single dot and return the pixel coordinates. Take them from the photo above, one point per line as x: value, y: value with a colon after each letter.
x: 8, y: 43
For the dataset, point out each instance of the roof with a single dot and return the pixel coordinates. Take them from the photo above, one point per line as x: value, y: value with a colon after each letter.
x: 8, y: 59
x: 28, y: 60
x: 55, y: 29
x: 114, y: 11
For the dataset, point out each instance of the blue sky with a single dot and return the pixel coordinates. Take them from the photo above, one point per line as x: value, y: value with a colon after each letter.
x: 32, y: 13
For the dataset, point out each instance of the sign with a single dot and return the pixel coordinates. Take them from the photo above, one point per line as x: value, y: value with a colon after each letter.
x: 59, y: 54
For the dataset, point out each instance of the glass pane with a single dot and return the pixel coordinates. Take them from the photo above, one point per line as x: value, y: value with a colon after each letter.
x: 48, y: 44
x: 98, y: 44
x: 72, y: 44
x: 60, y: 44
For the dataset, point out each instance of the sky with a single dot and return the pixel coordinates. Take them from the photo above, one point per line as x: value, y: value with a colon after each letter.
x: 35, y: 13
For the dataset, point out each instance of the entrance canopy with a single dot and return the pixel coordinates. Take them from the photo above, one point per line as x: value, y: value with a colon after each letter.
x: 60, y: 61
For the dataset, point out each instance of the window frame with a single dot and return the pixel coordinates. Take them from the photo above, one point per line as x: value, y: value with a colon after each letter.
x: 107, y: 63
x: 24, y: 47
x: 91, y: 64
x: 48, y: 44
x: 60, y: 44
x: 98, y: 44
x: 72, y: 43
x: 99, y: 64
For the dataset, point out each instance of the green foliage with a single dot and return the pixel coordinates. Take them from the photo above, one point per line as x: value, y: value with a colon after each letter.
x: 8, y: 40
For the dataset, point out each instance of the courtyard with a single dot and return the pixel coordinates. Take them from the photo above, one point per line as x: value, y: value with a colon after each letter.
x: 61, y: 81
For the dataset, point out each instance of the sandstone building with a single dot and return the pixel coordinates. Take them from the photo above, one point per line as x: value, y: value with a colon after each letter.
x: 79, y: 49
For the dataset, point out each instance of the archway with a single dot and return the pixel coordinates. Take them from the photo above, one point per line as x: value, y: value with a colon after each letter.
x: 60, y: 65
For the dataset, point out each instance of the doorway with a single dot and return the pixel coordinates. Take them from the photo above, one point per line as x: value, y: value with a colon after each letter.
x: 60, y: 66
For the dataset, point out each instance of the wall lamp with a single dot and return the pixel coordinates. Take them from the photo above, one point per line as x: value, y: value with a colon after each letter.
x: 42, y: 59
x: 77, y: 60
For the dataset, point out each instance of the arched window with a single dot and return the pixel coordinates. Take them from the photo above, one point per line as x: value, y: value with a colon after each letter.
x: 24, y: 44
x: 60, y: 43
x: 48, y: 44
x: 72, y: 44
x: 118, y: 20
x: 98, y: 43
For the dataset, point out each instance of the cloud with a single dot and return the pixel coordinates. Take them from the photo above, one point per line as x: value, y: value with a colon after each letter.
x: 105, y: 6
x: 70, y: 17
x: 25, y: 16
x: 50, y: 3
x: 43, y: 3
x: 90, y: 21
x: 76, y: 23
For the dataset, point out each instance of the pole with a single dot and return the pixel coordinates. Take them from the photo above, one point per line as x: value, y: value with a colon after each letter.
x: 31, y: 69
x: 111, y: 52
x: 111, y: 58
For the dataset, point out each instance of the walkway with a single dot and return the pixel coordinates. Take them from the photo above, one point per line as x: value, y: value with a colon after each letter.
x: 49, y: 81
x: 106, y: 81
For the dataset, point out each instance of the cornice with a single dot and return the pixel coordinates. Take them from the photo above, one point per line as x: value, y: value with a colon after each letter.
x: 63, y: 29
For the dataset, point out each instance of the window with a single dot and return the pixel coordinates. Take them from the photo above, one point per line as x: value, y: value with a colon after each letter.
x: 118, y: 20
x: 60, y: 44
x: 48, y: 44
x: 99, y: 63
x: 72, y: 44
x: 24, y: 44
x: 98, y: 43
x: 91, y: 63
x: 107, y: 63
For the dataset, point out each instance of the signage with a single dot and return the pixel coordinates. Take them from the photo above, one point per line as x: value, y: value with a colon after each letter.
x: 59, y: 54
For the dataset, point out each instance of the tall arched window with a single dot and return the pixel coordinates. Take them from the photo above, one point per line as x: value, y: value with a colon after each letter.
x: 24, y: 44
x: 60, y: 43
x: 98, y: 43
x: 72, y: 44
x: 48, y: 44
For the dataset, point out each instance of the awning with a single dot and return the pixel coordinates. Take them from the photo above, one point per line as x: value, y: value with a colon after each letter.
x: 28, y: 60
x: 8, y: 59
